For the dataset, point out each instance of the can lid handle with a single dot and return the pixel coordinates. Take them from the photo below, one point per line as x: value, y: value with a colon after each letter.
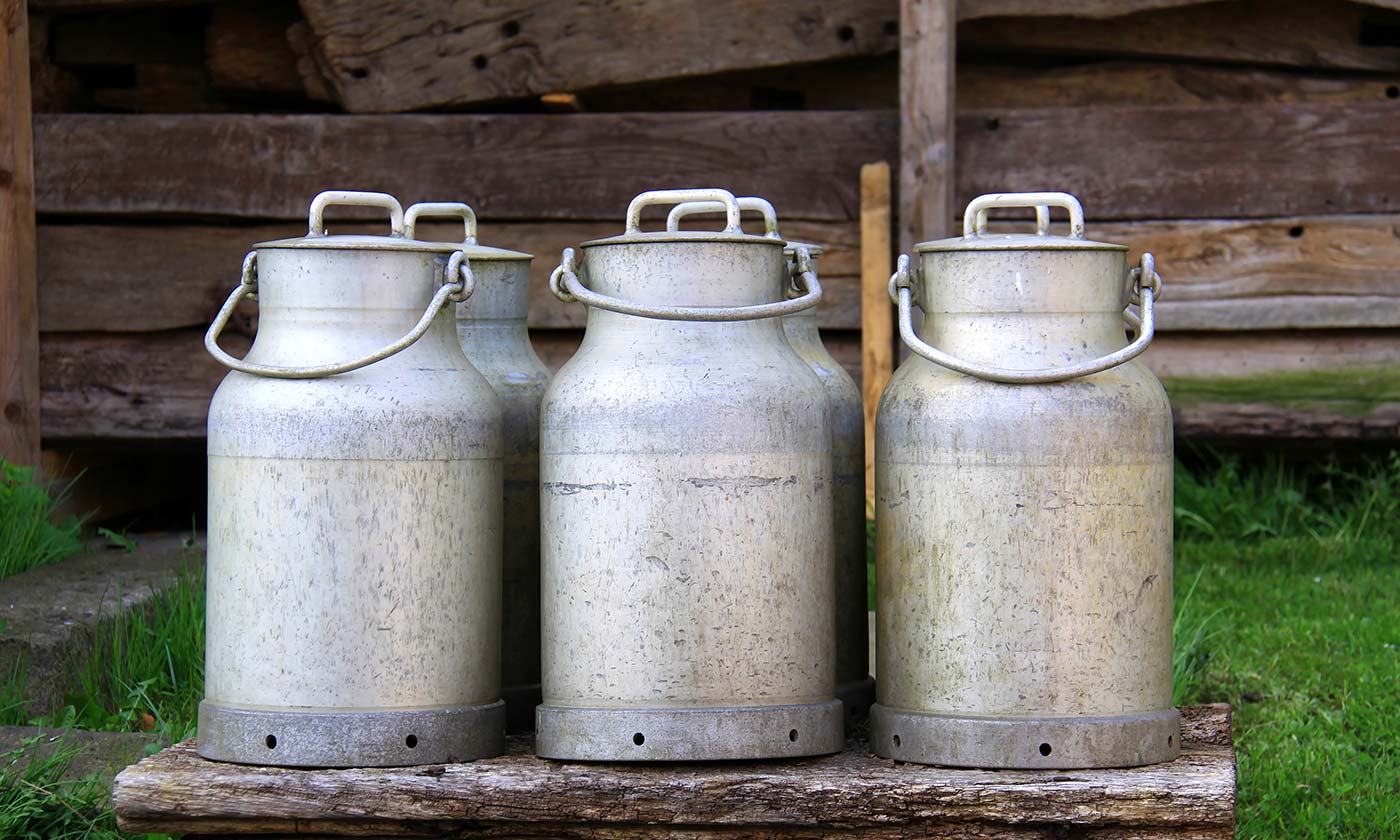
x: 316, y: 221
x: 975, y: 216
x: 446, y: 209
x: 750, y: 203
x: 458, y: 282
x: 1146, y: 285
x: 653, y: 197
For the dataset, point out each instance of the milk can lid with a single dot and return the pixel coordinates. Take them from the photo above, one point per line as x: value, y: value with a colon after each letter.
x: 976, y: 238
x: 689, y: 202
x: 403, y: 226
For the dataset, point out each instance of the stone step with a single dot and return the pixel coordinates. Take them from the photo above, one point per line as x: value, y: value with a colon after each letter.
x: 51, y: 613
x: 99, y: 754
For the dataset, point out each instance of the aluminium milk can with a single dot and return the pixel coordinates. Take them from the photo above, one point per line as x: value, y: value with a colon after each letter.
x: 354, y: 566
x: 685, y: 459
x: 1024, y: 507
x: 846, y: 414
x: 491, y: 328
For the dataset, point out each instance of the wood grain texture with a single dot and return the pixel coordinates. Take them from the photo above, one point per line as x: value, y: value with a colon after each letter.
x: 1298, y: 272
x: 19, y: 312
x: 1299, y: 33
x: 1124, y: 162
x: 1285, y: 384
x: 1189, y: 162
x: 876, y: 316
x: 576, y: 166
x: 1103, y: 83
x: 849, y: 794
x: 969, y: 9
x: 380, y: 57
x: 138, y: 278
x: 927, y: 62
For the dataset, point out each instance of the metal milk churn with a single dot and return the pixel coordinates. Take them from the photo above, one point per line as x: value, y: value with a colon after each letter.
x: 492, y: 331
x: 1024, y: 507
x: 846, y: 414
x: 685, y: 460
x: 354, y: 565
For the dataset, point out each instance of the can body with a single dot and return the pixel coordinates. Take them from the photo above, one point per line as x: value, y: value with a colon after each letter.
x: 354, y: 530
x: 1024, y: 543
x: 846, y: 415
x: 492, y: 330
x: 688, y: 578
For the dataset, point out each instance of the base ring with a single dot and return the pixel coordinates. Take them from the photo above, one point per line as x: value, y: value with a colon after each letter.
x: 1025, y: 743
x: 286, y: 738
x: 689, y: 734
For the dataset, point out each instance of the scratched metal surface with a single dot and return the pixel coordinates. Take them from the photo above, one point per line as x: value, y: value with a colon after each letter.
x: 354, y: 557
x: 491, y: 328
x: 1024, y: 556
x: 686, y: 500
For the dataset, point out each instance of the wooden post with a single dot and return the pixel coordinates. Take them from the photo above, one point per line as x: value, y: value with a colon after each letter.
x: 19, y: 298
x: 876, y: 317
x: 928, y: 33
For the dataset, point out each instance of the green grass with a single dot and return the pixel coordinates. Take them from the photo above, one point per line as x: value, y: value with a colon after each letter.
x: 37, y: 803
x: 1288, y: 584
x: 29, y: 534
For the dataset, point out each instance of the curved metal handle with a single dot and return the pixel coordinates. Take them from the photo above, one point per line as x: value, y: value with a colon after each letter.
x: 567, y: 287
x: 647, y: 199
x: 975, y: 216
x: 452, y: 209
x: 316, y: 222
x: 457, y: 266
x: 1144, y: 292
x: 748, y: 202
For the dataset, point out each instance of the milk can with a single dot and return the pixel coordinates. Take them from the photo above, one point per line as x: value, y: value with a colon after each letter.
x: 846, y: 414
x: 491, y: 328
x: 685, y: 459
x: 354, y: 565
x: 1024, y: 507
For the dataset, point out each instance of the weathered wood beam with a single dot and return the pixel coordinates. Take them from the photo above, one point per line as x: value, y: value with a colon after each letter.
x: 19, y: 308
x: 854, y: 792
x: 1300, y: 384
x: 1299, y: 272
x: 141, y: 278
x: 1124, y: 162
x: 379, y: 58
x: 927, y: 61
x: 1285, y: 33
x: 576, y: 166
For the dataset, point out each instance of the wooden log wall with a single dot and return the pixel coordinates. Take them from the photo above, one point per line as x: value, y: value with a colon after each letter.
x: 1253, y: 146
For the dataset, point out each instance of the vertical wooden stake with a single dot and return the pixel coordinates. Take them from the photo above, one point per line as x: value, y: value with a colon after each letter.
x: 927, y: 58
x: 19, y: 298
x: 876, y: 317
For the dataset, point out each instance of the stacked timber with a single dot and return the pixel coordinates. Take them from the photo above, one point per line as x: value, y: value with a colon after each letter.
x: 1253, y: 146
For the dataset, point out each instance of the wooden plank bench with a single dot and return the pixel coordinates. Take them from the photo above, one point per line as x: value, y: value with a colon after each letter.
x: 853, y: 794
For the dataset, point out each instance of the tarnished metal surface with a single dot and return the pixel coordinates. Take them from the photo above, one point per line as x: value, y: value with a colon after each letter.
x: 491, y: 328
x: 354, y: 520
x: 1024, y: 548
x: 846, y: 414
x: 686, y: 514
x: 735, y: 732
x: 351, y: 739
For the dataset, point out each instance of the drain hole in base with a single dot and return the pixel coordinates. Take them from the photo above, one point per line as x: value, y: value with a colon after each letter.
x: 896, y: 740
x: 411, y: 741
x: 639, y: 739
x: 1169, y: 742
x: 1044, y: 749
x: 792, y: 734
x: 271, y: 742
